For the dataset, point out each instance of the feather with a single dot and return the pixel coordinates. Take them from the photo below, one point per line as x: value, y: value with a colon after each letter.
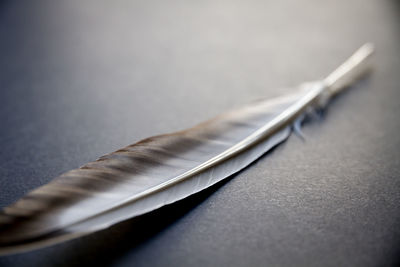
x: 163, y: 169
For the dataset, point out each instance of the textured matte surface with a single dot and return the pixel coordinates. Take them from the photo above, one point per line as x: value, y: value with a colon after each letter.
x: 79, y: 79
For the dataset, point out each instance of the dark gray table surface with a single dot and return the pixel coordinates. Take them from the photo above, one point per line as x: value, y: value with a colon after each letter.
x: 79, y: 79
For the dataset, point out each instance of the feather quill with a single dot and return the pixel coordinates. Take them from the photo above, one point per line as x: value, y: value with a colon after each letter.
x: 163, y: 169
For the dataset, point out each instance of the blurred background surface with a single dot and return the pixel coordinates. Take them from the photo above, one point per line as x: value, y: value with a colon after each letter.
x: 79, y: 79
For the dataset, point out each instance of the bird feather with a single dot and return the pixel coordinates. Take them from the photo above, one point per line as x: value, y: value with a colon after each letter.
x: 163, y: 169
